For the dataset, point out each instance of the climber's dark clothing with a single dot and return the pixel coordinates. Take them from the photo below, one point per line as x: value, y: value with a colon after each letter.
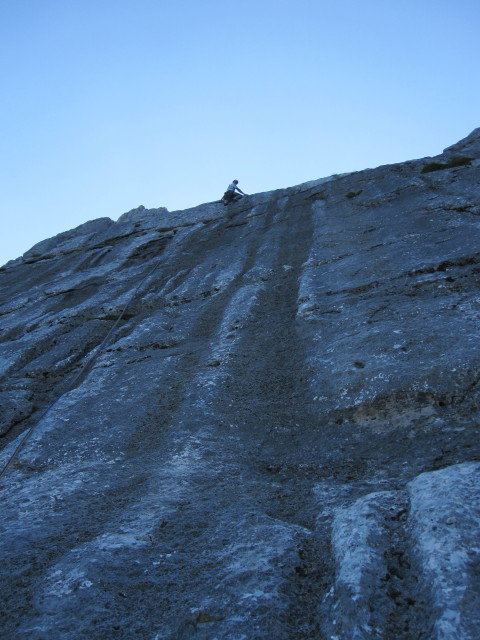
x: 231, y: 196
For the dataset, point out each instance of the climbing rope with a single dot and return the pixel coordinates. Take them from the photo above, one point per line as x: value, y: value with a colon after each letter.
x: 88, y: 365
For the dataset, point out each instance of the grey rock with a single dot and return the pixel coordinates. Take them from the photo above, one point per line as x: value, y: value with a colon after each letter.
x: 275, y: 440
x: 139, y: 214
x: 408, y: 568
x: 15, y: 405
x: 445, y: 520
x: 68, y: 240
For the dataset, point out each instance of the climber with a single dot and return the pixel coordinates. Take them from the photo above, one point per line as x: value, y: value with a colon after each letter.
x: 230, y: 195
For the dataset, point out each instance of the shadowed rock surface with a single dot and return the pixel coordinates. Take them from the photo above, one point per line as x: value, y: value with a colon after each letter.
x: 280, y: 440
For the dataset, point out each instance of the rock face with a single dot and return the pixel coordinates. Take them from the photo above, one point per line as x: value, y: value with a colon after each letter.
x: 279, y: 440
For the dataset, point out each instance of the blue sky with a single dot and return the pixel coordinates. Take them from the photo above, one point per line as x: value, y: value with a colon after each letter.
x: 108, y: 104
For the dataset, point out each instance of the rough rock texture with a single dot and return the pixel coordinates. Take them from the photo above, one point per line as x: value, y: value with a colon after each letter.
x: 280, y: 441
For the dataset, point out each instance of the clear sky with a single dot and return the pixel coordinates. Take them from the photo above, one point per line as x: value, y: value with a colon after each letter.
x: 109, y: 104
